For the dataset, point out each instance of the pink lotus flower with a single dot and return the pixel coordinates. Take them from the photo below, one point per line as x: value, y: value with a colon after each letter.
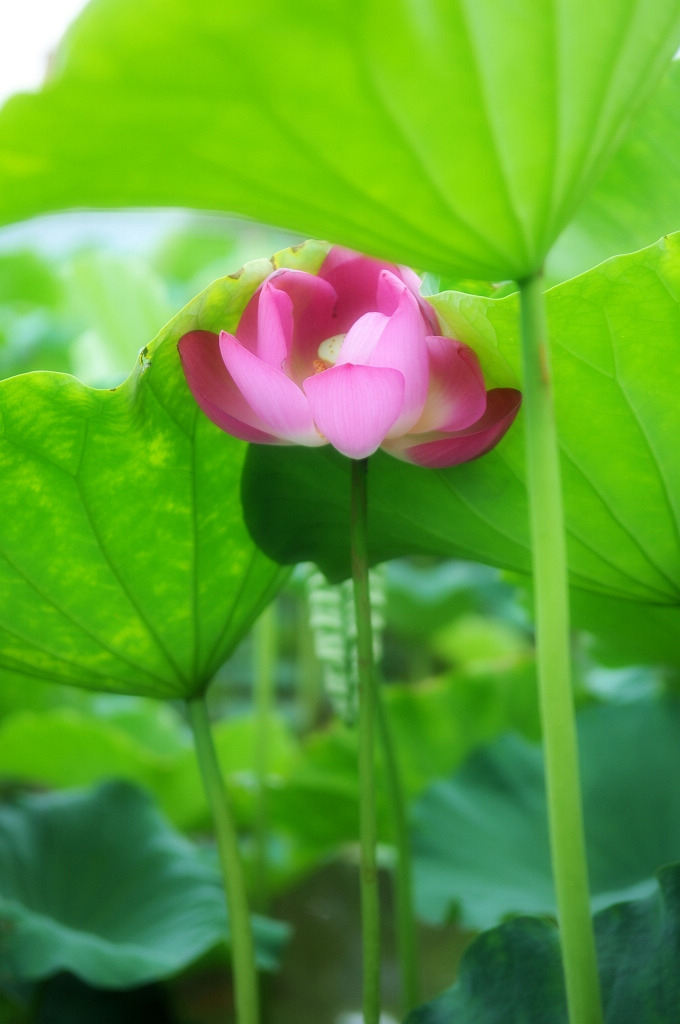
x: 350, y: 357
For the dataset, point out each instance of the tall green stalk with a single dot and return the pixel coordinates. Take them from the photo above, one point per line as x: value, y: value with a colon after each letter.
x: 403, y: 872
x: 565, y: 816
x: 242, y: 943
x: 264, y: 664
x: 370, y: 900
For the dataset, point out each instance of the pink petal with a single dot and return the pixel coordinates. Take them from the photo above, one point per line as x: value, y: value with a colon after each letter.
x: 215, y: 391
x: 313, y: 304
x: 313, y: 301
x: 356, y: 279
x: 390, y: 290
x: 440, y: 451
x: 274, y: 398
x: 457, y: 395
x: 274, y: 325
x: 355, y: 406
x: 413, y: 283
x: 397, y: 342
x: 388, y: 297
x: 402, y: 346
x: 361, y: 339
x: 387, y: 293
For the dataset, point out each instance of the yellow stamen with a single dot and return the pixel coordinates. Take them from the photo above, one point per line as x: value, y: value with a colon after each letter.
x: 329, y: 350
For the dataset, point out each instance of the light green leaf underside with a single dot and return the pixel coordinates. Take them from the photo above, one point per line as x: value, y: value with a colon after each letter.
x: 624, y: 633
x: 637, y: 199
x: 99, y: 885
x: 614, y: 338
x: 439, y: 134
x: 124, y: 561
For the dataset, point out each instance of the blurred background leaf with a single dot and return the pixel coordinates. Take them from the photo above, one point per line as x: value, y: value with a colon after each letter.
x: 99, y: 885
x: 481, y: 838
x: 516, y: 968
x: 83, y: 293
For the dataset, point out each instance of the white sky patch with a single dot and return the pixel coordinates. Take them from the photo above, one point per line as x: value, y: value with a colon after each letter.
x: 29, y: 33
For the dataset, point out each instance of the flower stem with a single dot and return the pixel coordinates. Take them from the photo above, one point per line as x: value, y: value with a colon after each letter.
x: 265, y: 637
x: 565, y: 816
x: 406, y: 923
x: 370, y: 900
x: 310, y: 690
x: 243, y: 949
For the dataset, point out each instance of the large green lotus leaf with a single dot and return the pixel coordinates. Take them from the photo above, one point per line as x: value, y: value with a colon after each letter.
x: 614, y: 335
x: 481, y: 839
x: 124, y: 561
x: 637, y: 199
x: 514, y: 972
x: 99, y: 885
x: 454, y: 136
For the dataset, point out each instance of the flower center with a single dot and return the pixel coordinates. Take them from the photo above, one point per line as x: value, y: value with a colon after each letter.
x: 329, y: 350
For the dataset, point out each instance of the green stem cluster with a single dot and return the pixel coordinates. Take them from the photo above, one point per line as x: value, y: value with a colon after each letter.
x: 567, y: 840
